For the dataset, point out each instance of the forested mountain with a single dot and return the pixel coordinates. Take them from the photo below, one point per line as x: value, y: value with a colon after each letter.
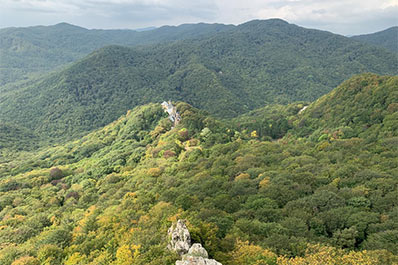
x: 227, y: 74
x: 24, y: 51
x: 109, y: 197
x: 387, y: 38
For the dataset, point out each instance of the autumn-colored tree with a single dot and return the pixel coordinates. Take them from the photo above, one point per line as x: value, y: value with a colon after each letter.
x: 26, y: 260
x: 126, y: 254
x: 248, y: 254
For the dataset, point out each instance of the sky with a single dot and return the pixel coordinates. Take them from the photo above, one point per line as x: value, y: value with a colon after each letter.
x: 346, y: 17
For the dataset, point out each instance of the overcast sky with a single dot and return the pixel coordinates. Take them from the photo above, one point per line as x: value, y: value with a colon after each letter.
x: 347, y: 17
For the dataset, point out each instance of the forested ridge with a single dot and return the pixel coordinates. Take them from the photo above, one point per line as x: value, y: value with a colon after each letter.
x: 226, y: 74
x: 387, y: 39
x: 273, y: 186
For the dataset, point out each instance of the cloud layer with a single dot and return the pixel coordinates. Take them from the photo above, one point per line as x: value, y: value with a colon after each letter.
x: 339, y: 16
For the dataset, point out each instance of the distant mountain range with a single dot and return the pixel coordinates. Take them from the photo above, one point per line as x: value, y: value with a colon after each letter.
x: 24, y: 51
x: 228, y: 73
x: 145, y: 29
x: 387, y: 38
x: 34, y: 50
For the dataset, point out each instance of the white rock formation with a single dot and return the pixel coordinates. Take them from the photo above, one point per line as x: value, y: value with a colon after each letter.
x: 180, y: 238
x: 302, y: 109
x: 174, y: 116
x: 197, y: 255
x: 198, y: 251
x: 180, y: 242
x: 189, y: 260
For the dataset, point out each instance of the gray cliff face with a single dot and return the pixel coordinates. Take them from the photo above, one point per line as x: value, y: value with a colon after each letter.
x: 180, y: 242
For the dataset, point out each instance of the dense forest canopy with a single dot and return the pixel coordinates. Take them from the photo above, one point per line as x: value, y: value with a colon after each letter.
x: 286, y: 152
x: 273, y: 186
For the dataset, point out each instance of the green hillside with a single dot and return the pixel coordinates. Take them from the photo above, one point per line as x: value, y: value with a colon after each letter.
x: 227, y: 74
x: 365, y: 105
x: 109, y: 197
x: 387, y: 39
x: 24, y: 51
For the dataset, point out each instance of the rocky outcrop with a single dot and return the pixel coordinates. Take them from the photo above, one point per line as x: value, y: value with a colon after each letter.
x: 180, y: 238
x: 189, y: 260
x: 197, y: 255
x: 180, y: 242
x: 197, y: 250
x: 174, y: 116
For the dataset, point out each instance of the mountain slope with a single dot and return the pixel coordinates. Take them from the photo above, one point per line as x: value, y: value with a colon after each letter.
x: 363, y: 105
x: 387, y: 38
x: 226, y: 74
x: 109, y: 197
x: 24, y: 51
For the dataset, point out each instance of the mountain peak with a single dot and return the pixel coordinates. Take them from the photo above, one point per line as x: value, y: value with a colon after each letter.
x: 64, y: 25
x: 264, y: 22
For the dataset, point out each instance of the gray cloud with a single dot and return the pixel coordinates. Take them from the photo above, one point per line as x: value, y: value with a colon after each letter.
x: 339, y: 16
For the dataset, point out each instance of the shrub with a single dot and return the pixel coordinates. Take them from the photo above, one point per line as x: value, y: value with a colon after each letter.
x: 154, y: 172
x: 168, y: 154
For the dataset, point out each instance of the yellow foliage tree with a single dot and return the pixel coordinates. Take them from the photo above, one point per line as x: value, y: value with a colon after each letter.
x: 79, y: 229
x: 126, y: 254
x: 103, y: 257
x: 76, y: 258
x: 264, y: 182
x: 247, y: 254
x: 242, y: 176
x: 154, y: 172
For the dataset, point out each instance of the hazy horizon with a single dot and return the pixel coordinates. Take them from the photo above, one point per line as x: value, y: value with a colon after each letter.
x: 351, y: 17
x: 156, y: 27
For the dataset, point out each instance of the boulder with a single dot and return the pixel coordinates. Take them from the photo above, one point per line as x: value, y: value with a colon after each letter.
x: 197, y: 255
x: 198, y: 251
x: 190, y: 260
